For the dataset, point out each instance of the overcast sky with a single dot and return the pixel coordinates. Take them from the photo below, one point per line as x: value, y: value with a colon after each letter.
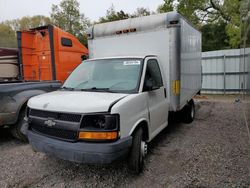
x: 93, y: 9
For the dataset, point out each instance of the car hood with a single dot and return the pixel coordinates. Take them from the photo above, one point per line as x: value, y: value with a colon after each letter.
x: 75, y: 101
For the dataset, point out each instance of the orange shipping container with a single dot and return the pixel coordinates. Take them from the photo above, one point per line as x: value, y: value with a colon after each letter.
x: 48, y: 53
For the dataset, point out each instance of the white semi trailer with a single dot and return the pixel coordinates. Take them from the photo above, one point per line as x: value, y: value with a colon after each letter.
x: 113, y: 104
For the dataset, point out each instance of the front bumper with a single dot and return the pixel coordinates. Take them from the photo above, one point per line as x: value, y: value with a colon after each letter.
x: 81, y: 152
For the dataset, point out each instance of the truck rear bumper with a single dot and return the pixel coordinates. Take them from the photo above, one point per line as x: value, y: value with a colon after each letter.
x: 81, y: 152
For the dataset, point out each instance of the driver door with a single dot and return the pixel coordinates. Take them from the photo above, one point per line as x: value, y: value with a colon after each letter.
x: 156, y: 97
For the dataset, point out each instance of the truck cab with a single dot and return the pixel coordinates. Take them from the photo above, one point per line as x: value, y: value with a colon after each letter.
x: 109, y: 100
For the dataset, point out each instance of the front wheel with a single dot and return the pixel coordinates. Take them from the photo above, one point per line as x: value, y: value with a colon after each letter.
x: 138, y: 152
x: 188, y: 112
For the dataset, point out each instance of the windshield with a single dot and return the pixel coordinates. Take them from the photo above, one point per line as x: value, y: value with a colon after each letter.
x: 112, y: 75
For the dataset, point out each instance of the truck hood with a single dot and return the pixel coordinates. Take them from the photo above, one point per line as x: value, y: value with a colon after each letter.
x: 75, y: 101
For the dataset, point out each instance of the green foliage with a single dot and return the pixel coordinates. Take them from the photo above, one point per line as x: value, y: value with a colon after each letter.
x: 67, y: 16
x: 112, y: 15
x: 83, y: 38
x: 8, y: 36
x: 8, y: 28
x: 28, y: 22
x: 167, y: 6
x: 190, y: 10
x: 210, y: 14
x: 232, y: 10
x: 245, y: 23
x: 214, y: 36
x: 141, y: 11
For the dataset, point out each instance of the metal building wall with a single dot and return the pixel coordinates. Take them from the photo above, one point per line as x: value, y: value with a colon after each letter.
x: 225, y: 71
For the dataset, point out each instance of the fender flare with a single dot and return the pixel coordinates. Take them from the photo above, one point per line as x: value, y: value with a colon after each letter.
x: 23, y: 98
x: 137, y: 124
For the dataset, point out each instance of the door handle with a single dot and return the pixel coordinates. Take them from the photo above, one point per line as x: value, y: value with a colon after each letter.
x: 165, y: 93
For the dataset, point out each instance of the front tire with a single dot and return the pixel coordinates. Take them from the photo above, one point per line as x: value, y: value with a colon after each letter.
x: 16, y: 129
x: 188, y: 112
x: 138, y: 152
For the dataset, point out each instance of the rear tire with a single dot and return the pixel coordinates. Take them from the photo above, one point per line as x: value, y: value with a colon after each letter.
x: 136, y: 158
x: 188, y: 112
x: 16, y: 129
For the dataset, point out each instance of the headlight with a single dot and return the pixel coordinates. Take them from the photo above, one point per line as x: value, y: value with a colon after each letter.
x: 100, y: 122
x: 99, y: 127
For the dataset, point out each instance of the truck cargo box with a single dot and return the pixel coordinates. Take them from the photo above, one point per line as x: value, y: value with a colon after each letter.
x: 48, y: 53
x: 169, y: 36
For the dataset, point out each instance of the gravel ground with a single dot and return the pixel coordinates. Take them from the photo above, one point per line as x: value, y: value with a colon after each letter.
x: 213, y: 151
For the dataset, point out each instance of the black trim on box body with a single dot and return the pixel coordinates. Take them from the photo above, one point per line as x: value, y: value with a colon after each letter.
x: 81, y: 152
x: 222, y: 73
x: 224, y: 56
x: 222, y: 90
x: 52, y: 50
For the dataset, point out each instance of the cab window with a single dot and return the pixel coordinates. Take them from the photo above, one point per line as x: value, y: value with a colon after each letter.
x: 66, y: 42
x: 153, y: 73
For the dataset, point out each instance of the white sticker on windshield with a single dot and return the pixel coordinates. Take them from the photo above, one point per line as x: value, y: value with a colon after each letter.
x: 133, y: 62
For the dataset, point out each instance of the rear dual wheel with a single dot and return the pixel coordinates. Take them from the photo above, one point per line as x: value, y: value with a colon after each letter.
x: 188, y: 112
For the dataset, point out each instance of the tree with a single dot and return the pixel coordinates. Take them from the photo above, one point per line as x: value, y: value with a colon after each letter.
x: 8, y: 28
x: 28, y: 22
x: 192, y: 10
x: 245, y: 23
x: 112, y: 15
x: 214, y: 36
x: 141, y: 11
x: 8, y: 36
x: 67, y: 16
x: 167, y: 6
x: 203, y: 12
x: 229, y: 11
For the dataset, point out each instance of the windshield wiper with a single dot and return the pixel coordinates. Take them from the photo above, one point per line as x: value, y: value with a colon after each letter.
x: 68, y: 88
x: 97, y: 89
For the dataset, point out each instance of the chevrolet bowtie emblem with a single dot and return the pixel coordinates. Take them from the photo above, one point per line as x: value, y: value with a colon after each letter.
x: 50, y: 123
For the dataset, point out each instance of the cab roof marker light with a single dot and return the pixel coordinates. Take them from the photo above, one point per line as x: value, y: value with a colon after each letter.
x: 118, y: 32
x: 131, y: 30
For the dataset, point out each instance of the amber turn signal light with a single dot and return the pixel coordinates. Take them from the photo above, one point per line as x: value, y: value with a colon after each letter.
x: 98, y: 135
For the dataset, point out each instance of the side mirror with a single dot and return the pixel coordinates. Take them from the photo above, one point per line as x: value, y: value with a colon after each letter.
x: 148, y: 85
x: 84, y: 57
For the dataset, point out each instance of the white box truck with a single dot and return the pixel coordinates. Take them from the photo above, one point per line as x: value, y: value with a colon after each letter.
x: 113, y: 104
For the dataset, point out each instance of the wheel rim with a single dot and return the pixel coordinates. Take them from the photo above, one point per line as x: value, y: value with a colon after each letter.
x: 144, y: 148
x: 192, y: 112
